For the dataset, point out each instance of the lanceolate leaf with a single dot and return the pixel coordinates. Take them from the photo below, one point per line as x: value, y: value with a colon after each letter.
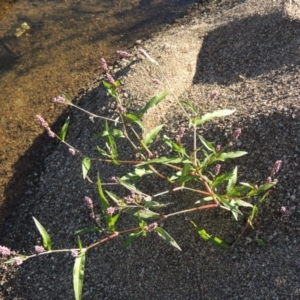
x: 165, y: 236
x: 147, y: 214
x: 86, y: 164
x: 67, y: 97
x: 232, y: 180
x: 132, y: 237
x: 213, y: 115
x: 134, y: 119
x: 149, y: 137
x: 103, y: 201
x: 189, y: 105
x: 64, y: 130
x: 211, y: 238
x: 78, y: 274
x: 207, y: 144
x: 152, y: 102
x: 224, y: 156
x: 46, y: 238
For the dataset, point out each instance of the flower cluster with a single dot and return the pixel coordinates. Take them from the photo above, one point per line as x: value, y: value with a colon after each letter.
x: 180, y: 134
x: 123, y: 54
x: 44, y: 124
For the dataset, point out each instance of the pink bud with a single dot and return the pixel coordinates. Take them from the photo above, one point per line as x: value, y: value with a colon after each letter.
x: 123, y: 54
x: 276, y: 167
x: 39, y: 249
x: 41, y: 120
x: 89, y: 202
x: 103, y: 65
x: 237, y: 134
x: 110, y: 79
x: 72, y: 151
x: 18, y: 261
x: 217, y: 169
x: 151, y: 227
x: 59, y: 99
x: 110, y: 210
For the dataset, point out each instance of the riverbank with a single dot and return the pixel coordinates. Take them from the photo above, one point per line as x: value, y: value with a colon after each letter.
x: 249, y: 52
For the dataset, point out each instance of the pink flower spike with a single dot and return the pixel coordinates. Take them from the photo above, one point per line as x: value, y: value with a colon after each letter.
x: 4, y: 251
x: 151, y: 227
x: 269, y: 179
x: 218, y: 148
x: 276, y: 167
x: 110, y: 79
x: 103, y: 65
x: 74, y: 253
x: 89, y: 202
x: 72, y: 151
x: 51, y: 133
x: 59, y: 99
x: 237, y: 133
x: 214, y: 95
x: 156, y: 81
x: 39, y: 249
x: 110, y: 210
x: 123, y: 54
x: 217, y: 169
x: 18, y: 261
x: 41, y: 120
x: 285, y: 215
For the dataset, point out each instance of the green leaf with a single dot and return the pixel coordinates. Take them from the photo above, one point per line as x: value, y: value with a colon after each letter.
x: 147, y: 214
x: 131, y: 187
x: 88, y: 230
x: 213, y: 115
x: 137, y: 173
x: 152, y: 102
x: 232, y: 180
x: 229, y: 205
x: 224, y: 156
x: 113, y: 197
x: 64, y: 130
x: 103, y: 201
x: 79, y: 243
x: 153, y: 204
x: 113, y: 132
x: 78, y: 274
x: 111, y: 143
x: 107, y: 85
x: 262, y: 189
x: 211, y: 238
x: 189, y: 105
x: 150, y: 136
x: 134, y: 119
x: 112, y: 220
x: 103, y: 152
x: 209, y: 146
x: 260, y: 242
x: 66, y: 96
x: 165, y: 236
x: 243, y: 203
x: 46, y: 238
x: 221, y: 179
x: 174, y: 146
x: 132, y: 237
x: 86, y: 164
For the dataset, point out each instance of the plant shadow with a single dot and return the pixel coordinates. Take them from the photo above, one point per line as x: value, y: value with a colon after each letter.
x: 230, y: 51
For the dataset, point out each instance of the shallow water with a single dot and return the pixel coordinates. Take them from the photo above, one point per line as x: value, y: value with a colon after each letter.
x: 58, y: 49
